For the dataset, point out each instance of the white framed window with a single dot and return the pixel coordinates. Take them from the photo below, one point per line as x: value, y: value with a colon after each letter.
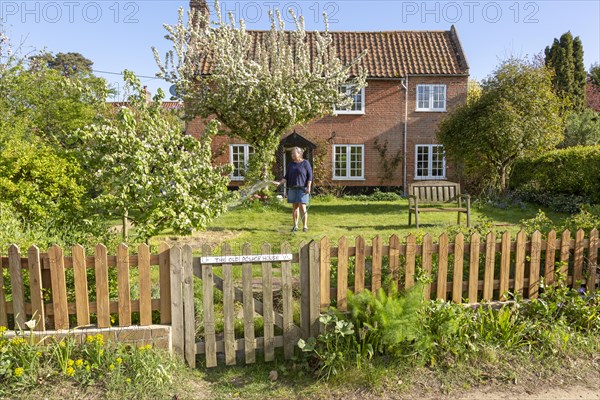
x: 431, y: 97
x: 430, y: 162
x: 348, y: 162
x: 358, y: 101
x: 239, y: 155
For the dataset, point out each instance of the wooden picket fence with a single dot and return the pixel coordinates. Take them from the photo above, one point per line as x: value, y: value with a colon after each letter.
x: 49, y: 294
x: 473, y: 271
x: 266, y: 302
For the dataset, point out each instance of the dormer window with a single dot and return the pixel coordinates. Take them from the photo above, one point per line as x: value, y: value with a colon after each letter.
x: 358, y: 101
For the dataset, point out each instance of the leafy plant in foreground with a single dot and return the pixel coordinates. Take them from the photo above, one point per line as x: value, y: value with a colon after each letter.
x: 385, y: 321
x: 332, y: 349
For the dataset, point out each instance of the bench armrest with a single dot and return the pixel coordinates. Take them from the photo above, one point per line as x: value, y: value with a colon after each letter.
x: 467, y: 197
x: 415, y: 200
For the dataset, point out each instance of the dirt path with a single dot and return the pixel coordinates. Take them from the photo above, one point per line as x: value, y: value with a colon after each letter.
x: 212, y: 238
x: 568, y: 393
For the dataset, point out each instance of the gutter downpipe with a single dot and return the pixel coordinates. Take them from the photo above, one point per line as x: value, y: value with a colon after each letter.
x: 404, y: 84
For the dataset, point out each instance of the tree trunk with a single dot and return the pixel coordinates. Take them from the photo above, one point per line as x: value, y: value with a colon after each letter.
x: 503, y: 179
x: 124, y: 230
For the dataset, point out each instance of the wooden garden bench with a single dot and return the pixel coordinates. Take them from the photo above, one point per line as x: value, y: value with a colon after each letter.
x: 433, y: 196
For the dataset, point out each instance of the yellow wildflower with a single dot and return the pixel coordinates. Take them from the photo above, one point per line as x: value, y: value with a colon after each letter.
x: 18, y: 341
x: 99, y: 339
x: 89, y: 339
x: 128, y: 380
x: 70, y: 362
x: 19, y: 372
x: 87, y: 368
x: 3, y: 329
x: 111, y: 367
x: 70, y: 371
x: 79, y: 363
x: 119, y: 360
x: 62, y: 343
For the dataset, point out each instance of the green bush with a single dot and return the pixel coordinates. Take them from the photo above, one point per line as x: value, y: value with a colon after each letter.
x: 573, y: 171
x: 377, y: 195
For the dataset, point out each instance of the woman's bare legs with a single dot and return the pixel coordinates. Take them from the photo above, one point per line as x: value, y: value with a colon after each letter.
x: 295, y: 213
x: 304, y: 214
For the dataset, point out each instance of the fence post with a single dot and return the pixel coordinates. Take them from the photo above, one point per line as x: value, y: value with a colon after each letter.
x: 411, y: 253
x: 325, y: 272
x: 504, y: 266
x: 304, y: 291
x: 102, y: 292
x: 578, y: 258
x: 176, y: 302
x: 315, y: 287
x: 426, y: 262
x: 342, y: 278
x: 82, y: 304
x: 457, y: 274
x: 35, y: 284
x: 59, y: 288
x: 376, y: 262
x: 16, y: 281
x: 249, y: 338
x: 490, y: 259
x: 3, y: 311
x: 442, y: 278
x: 189, y: 316
x: 123, y: 286
x: 145, y: 285
x: 228, y: 308
x: 593, y: 260
x: 164, y: 259
x: 534, y: 266
x: 209, y: 310
x: 289, y: 337
x: 268, y: 316
x: 520, y: 262
x: 473, y: 287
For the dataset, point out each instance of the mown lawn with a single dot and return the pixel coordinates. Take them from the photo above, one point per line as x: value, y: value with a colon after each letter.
x: 337, y: 217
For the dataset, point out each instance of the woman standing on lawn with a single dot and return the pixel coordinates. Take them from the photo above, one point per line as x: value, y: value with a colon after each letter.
x: 298, y: 176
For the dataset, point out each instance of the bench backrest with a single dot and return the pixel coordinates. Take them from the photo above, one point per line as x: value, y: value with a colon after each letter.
x: 435, y: 191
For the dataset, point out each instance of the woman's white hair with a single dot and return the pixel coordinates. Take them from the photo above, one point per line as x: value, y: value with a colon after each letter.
x: 298, y: 150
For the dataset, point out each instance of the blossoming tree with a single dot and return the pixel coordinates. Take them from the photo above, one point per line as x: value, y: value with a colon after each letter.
x: 258, y: 89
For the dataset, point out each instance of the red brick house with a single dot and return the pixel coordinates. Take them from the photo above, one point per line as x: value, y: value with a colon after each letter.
x: 387, y: 138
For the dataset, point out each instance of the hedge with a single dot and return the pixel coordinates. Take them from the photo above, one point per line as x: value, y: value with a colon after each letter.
x: 572, y: 171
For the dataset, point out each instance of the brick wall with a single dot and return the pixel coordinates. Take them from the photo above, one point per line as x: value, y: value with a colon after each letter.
x: 382, y: 122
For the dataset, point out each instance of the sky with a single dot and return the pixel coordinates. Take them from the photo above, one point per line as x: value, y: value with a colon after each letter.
x: 118, y: 35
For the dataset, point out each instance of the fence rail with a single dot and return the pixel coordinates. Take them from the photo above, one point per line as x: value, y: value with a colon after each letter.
x: 254, y: 307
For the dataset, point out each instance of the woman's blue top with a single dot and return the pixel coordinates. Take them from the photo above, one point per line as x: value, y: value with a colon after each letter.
x: 298, y: 173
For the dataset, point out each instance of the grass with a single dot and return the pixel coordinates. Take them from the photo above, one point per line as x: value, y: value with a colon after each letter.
x: 337, y: 217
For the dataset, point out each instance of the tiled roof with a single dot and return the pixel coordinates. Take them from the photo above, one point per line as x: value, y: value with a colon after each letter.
x: 394, y: 54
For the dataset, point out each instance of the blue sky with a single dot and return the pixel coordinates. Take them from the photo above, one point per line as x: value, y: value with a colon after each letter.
x: 118, y: 35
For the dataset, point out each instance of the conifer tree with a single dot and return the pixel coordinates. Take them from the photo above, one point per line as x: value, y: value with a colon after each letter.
x: 565, y: 56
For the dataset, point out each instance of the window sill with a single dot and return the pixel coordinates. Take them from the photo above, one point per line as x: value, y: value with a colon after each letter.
x: 361, y: 178
x: 428, y: 110
x: 430, y: 178
x: 236, y: 179
x: 336, y: 113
